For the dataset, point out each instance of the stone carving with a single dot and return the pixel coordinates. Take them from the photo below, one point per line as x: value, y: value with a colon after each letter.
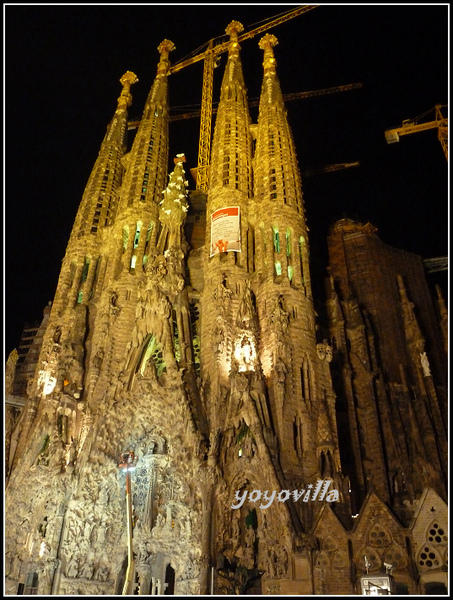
x: 102, y: 573
x: 219, y: 336
x: 240, y: 399
x: 280, y: 559
x: 279, y: 320
x: 167, y: 272
x: 324, y: 351
x: 329, y: 353
x: 246, y: 318
x: 244, y: 353
x: 281, y: 370
x: 113, y: 304
x: 73, y: 568
x: 57, y: 335
x: 425, y: 364
x: 222, y: 296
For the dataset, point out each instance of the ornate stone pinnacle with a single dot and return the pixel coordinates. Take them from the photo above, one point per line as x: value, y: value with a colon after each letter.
x: 268, y: 41
x: 164, y: 49
x: 267, y: 44
x: 126, y: 81
x: 166, y: 46
x: 128, y: 78
x: 234, y: 28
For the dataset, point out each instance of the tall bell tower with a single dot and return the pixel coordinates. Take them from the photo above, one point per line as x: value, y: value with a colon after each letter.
x: 297, y: 373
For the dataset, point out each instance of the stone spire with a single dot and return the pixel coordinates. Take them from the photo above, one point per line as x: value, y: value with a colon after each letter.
x: 277, y: 184
x: 99, y: 201
x: 232, y: 146
x: 229, y: 187
x: 414, y: 336
x: 98, y: 206
x: 146, y: 164
x: 275, y: 159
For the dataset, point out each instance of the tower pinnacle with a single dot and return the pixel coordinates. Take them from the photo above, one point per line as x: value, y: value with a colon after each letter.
x: 146, y: 171
x: 233, y: 29
x: 164, y: 49
x: 126, y: 81
x: 266, y: 43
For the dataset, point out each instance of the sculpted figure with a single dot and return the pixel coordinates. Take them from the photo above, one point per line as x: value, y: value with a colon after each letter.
x: 329, y: 354
x: 280, y: 320
x: 281, y: 370
x: 87, y: 570
x: 219, y: 337
x: 425, y: 364
x: 102, y: 573
x: 72, y: 569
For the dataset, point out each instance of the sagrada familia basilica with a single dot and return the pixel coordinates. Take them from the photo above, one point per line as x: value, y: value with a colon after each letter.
x: 185, y: 422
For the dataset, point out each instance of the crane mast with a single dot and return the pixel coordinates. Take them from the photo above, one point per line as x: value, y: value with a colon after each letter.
x: 204, y: 143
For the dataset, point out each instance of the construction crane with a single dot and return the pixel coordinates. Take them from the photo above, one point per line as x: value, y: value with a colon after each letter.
x: 435, y: 265
x: 440, y: 263
x: 329, y: 168
x: 414, y: 125
x: 255, y: 102
x: 209, y: 57
x: 193, y: 114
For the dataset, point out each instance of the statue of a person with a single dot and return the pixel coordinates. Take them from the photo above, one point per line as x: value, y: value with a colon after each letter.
x: 425, y: 364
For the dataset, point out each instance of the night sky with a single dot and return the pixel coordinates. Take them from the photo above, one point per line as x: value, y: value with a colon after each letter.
x: 62, y: 66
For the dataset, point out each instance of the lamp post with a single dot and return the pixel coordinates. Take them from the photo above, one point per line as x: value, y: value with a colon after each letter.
x: 127, y: 463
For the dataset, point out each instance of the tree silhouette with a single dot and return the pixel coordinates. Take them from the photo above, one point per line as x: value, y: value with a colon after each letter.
x: 239, y: 579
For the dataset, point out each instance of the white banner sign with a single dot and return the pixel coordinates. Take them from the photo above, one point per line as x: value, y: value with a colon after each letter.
x: 225, y: 230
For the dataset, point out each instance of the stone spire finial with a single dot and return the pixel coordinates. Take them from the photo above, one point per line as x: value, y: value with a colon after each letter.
x: 267, y: 44
x: 164, y: 49
x: 233, y: 29
x: 126, y: 81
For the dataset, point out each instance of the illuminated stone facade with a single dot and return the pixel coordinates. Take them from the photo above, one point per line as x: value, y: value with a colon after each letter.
x: 212, y: 368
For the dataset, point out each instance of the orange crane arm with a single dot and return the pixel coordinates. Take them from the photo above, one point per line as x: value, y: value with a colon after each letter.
x: 220, y: 48
x: 413, y: 126
x: 393, y: 135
